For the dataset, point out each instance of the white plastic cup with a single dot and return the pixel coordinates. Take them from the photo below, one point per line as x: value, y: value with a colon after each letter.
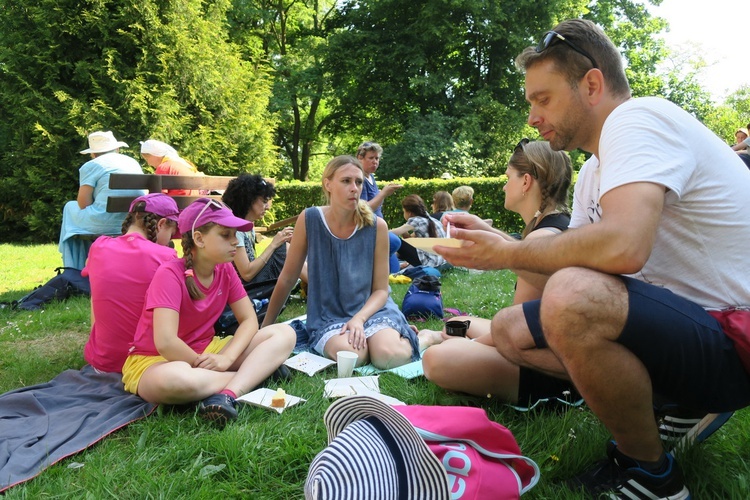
x: 346, y: 361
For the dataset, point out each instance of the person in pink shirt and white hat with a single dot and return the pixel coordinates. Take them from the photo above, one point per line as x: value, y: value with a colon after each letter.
x: 175, y: 357
x: 166, y: 161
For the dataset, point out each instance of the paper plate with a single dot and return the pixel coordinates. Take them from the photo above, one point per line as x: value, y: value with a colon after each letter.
x: 340, y: 387
x: 309, y: 363
x: 426, y: 244
x: 262, y: 398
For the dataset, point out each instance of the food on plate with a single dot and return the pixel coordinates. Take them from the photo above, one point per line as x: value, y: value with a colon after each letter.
x: 279, y: 399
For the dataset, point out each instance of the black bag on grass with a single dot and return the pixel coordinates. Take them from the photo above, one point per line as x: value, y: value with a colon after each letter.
x: 259, y: 293
x: 67, y: 283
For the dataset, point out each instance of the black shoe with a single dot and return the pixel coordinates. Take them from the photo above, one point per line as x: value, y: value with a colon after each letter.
x: 281, y: 374
x: 619, y: 476
x: 219, y: 408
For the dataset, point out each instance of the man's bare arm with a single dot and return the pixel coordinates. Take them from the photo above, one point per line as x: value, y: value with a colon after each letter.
x: 619, y: 244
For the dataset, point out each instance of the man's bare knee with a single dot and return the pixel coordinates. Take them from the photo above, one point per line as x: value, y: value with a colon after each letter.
x: 579, y: 301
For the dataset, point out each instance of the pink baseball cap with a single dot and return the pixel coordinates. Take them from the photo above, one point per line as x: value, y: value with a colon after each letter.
x: 205, y: 210
x: 159, y: 204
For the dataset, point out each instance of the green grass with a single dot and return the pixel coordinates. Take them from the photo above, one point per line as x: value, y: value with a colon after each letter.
x: 265, y: 455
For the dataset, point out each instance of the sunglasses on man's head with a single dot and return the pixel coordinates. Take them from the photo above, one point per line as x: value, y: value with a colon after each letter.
x: 211, y: 203
x: 553, y: 37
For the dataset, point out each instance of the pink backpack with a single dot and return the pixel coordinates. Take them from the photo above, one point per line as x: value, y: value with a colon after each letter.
x: 481, y: 457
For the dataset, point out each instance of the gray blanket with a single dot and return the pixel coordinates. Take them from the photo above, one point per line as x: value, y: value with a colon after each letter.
x: 42, y: 424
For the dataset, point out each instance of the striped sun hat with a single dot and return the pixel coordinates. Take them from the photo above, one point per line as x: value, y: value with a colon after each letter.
x: 373, y: 452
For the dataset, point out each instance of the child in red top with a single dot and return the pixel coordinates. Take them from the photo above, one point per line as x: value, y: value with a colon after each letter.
x: 175, y: 357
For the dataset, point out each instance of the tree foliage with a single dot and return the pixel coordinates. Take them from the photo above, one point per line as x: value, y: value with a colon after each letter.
x: 740, y: 102
x: 279, y: 86
x: 434, y: 80
x: 732, y: 114
x: 141, y: 69
x: 290, y: 36
x: 440, y: 70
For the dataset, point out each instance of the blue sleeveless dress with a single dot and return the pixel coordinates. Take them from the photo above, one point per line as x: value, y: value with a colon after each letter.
x: 340, y: 282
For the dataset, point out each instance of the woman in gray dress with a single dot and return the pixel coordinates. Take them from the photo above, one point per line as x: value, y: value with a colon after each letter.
x: 348, y: 304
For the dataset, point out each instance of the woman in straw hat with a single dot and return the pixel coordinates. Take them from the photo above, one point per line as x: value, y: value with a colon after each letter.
x: 88, y: 213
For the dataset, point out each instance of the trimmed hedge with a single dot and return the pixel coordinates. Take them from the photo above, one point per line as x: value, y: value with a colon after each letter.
x: 293, y: 196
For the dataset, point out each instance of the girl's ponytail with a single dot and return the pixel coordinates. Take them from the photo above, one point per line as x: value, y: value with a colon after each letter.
x: 187, y: 252
x: 364, y: 216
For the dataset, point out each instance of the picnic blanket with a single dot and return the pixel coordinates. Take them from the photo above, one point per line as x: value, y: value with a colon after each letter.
x: 42, y: 424
x: 407, y: 371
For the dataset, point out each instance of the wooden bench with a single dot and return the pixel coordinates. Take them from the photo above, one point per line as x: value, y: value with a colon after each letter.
x: 154, y: 183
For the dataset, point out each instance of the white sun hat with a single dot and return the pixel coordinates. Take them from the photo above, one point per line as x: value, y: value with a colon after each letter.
x: 102, y: 142
x: 157, y: 148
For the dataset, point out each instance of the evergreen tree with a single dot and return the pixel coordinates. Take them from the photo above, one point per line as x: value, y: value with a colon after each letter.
x: 143, y: 69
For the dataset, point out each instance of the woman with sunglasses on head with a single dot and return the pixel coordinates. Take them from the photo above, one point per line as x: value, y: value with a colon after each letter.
x: 249, y: 196
x: 537, y: 189
x: 175, y: 357
x: 348, y: 303
x: 120, y: 270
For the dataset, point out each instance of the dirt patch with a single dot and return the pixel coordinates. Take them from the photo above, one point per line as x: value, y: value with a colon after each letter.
x: 50, y: 346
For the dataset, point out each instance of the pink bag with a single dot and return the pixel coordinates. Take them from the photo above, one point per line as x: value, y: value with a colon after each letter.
x: 481, y: 457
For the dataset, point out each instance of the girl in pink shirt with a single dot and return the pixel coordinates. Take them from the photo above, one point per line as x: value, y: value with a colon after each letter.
x: 120, y: 271
x: 175, y: 357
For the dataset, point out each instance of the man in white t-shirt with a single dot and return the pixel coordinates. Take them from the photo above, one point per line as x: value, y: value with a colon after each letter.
x: 656, y: 252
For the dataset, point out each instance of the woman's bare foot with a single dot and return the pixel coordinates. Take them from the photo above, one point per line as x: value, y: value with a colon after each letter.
x: 428, y: 338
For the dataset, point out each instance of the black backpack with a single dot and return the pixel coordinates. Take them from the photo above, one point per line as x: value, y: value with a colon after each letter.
x: 67, y: 283
x: 259, y: 293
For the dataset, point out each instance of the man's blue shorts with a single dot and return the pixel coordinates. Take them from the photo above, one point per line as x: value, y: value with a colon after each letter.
x: 689, y: 358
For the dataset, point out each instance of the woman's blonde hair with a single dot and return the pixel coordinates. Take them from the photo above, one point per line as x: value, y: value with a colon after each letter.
x: 553, y: 172
x: 463, y: 197
x: 363, y: 215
